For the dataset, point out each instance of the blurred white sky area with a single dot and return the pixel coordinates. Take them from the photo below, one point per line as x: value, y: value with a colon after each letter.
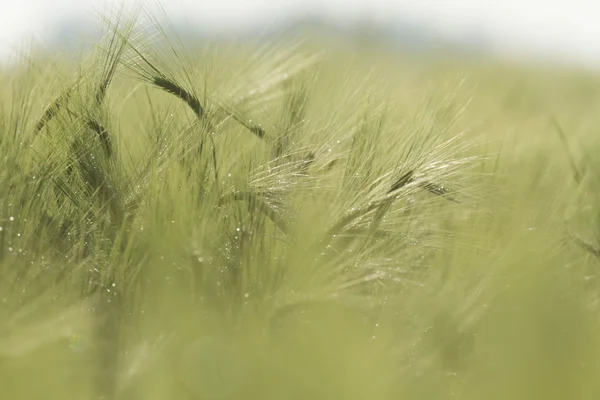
x: 555, y: 28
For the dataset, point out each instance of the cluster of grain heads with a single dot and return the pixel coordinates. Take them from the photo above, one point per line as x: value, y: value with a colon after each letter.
x: 304, y: 216
x: 88, y: 187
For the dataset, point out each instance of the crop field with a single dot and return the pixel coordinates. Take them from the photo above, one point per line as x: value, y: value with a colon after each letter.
x: 296, y: 218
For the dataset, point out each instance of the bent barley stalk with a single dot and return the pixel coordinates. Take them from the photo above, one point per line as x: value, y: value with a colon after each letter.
x: 170, y: 86
x: 53, y: 109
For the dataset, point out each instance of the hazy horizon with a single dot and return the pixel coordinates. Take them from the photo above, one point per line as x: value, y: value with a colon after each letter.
x: 563, y: 30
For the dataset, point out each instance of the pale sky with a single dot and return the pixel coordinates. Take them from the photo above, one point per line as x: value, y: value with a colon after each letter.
x: 568, y: 28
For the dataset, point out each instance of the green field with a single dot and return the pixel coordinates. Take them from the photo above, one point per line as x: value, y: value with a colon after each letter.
x: 294, y: 219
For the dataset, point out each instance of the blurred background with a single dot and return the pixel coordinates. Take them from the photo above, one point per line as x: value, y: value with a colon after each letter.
x: 557, y: 31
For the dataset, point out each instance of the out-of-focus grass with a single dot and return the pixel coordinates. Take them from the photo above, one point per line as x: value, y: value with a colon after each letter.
x: 295, y: 221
